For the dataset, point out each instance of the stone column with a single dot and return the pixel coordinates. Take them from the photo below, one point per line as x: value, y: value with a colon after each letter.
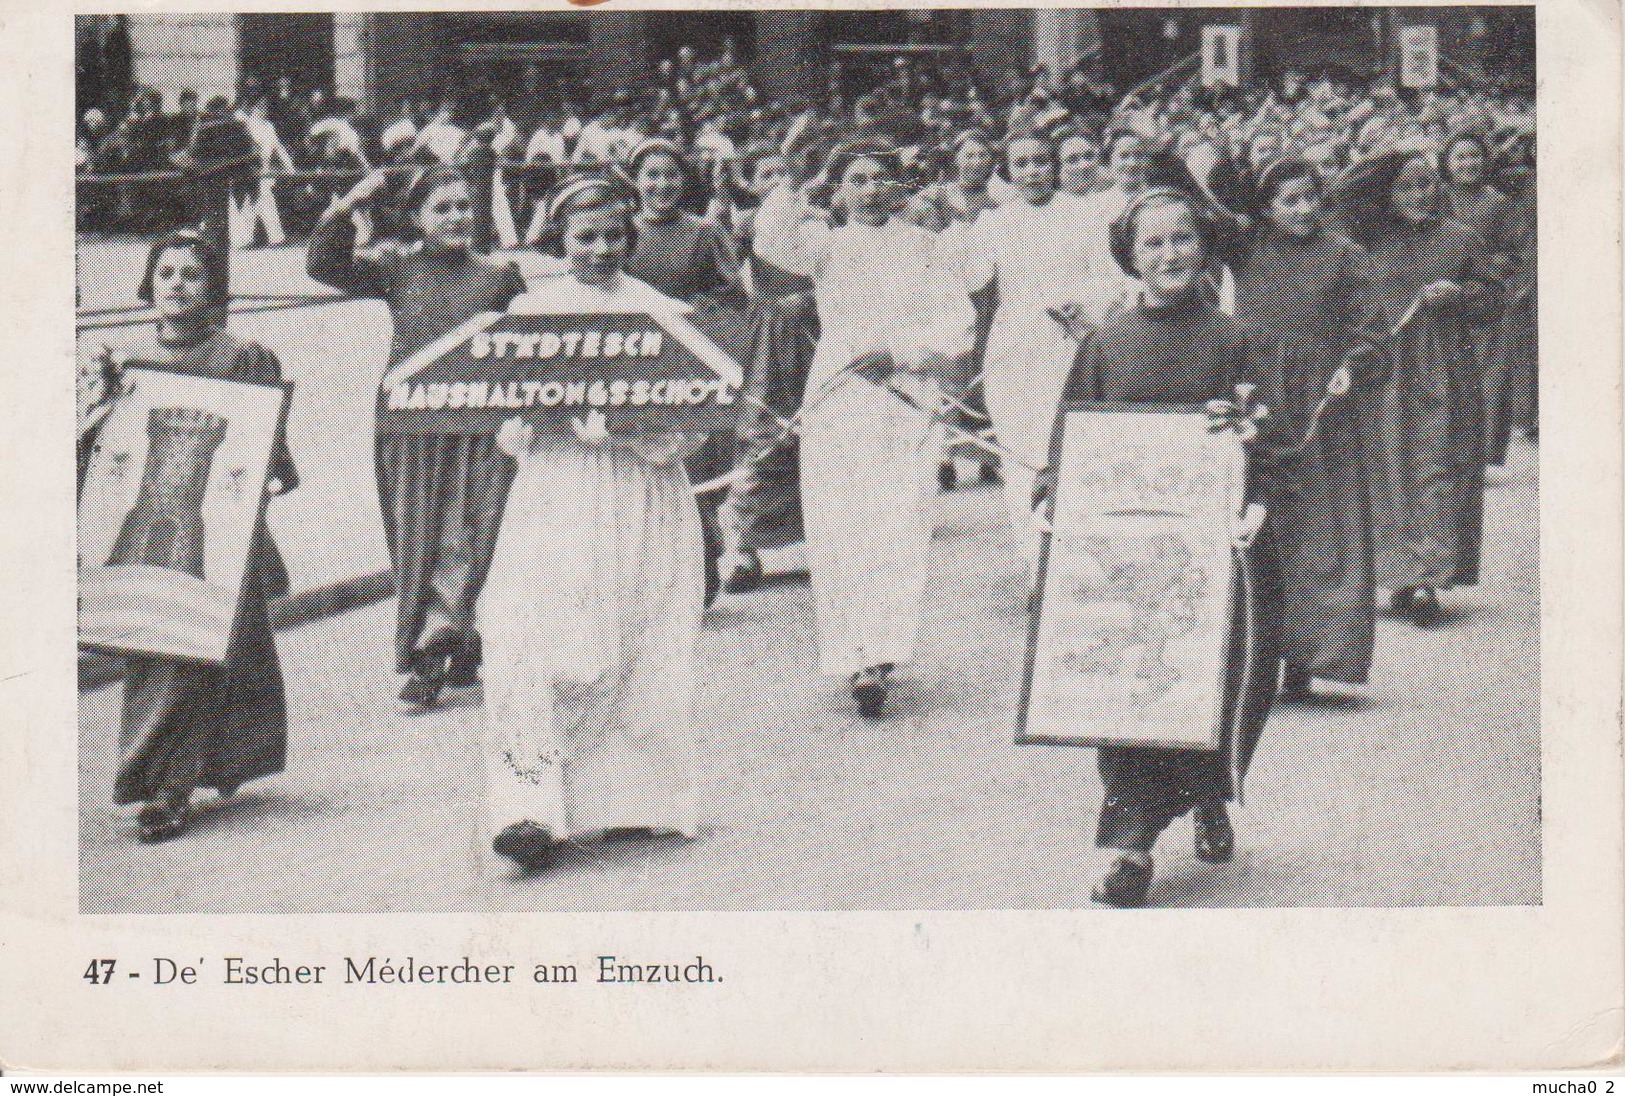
x: 620, y: 52
x: 171, y: 52
x: 352, y: 68
x: 787, y: 48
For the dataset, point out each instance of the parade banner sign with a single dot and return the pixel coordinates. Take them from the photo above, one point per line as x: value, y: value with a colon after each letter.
x: 643, y: 372
x: 173, y: 493
x: 1129, y: 637
x: 1418, y: 56
x: 1221, y: 56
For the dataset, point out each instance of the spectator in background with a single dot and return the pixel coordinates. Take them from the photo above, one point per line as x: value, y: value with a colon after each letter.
x: 399, y: 136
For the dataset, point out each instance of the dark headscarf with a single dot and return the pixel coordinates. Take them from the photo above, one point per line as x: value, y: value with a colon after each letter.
x: 1360, y: 198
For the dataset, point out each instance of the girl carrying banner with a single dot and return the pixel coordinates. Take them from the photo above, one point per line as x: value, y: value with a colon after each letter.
x: 1172, y: 346
x: 592, y: 612
x: 187, y: 725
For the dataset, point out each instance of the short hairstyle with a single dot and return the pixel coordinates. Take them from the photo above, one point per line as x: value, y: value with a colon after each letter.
x: 216, y: 278
x: 1125, y: 229
x: 587, y: 194
x: 1278, y: 173
x: 1471, y: 137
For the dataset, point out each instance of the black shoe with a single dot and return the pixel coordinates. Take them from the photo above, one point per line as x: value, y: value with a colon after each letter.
x: 745, y: 575
x: 1125, y: 886
x: 947, y: 475
x: 1400, y: 600
x: 869, y: 690
x: 422, y: 689
x: 990, y: 474
x: 526, y: 844
x: 1424, y: 608
x: 463, y: 667
x: 1296, y: 684
x: 1215, y: 838
x: 161, y: 822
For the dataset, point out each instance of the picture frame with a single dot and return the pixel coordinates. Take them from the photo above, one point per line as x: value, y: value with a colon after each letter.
x: 1133, y: 602
x: 168, y: 480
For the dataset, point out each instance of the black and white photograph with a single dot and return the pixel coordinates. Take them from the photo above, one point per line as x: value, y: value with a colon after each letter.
x: 819, y: 460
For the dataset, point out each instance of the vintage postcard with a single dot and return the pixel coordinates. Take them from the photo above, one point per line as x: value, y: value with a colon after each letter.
x: 797, y: 537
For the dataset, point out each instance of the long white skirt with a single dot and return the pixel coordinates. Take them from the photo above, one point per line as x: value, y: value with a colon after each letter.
x: 1028, y: 359
x: 590, y: 620
x: 868, y: 467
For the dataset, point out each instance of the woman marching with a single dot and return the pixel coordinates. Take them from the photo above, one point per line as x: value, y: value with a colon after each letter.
x: 187, y: 725
x: 1424, y: 445
x: 1051, y: 286
x: 1464, y: 165
x: 1304, y: 297
x: 442, y: 494
x: 891, y: 312
x: 592, y: 611
x: 1173, y: 347
x: 691, y: 260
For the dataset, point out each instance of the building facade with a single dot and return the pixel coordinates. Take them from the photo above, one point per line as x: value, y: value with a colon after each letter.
x: 377, y: 58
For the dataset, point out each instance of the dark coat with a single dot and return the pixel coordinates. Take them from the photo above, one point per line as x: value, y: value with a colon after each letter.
x: 1187, y: 355
x: 1425, y: 442
x: 442, y: 496
x: 1308, y: 306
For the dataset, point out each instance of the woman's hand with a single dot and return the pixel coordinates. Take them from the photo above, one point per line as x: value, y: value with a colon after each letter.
x: 1440, y: 292
x: 273, y: 486
x: 1071, y: 318
x: 98, y: 384
x: 592, y: 428
x: 515, y: 436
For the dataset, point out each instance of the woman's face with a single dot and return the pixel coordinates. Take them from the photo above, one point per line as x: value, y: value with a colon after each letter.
x: 866, y: 191
x: 1128, y: 163
x: 1465, y: 163
x: 596, y: 243
x: 1032, y: 169
x: 1415, y: 191
x: 973, y: 165
x: 769, y: 172
x: 180, y: 284
x: 1080, y: 165
x: 1168, y: 250
x: 1295, y: 207
x: 446, y: 218
x: 660, y: 184
x: 1265, y: 147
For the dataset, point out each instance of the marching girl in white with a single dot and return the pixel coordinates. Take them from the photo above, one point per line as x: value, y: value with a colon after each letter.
x: 1052, y: 286
x: 592, y: 611
x: 892, y: 311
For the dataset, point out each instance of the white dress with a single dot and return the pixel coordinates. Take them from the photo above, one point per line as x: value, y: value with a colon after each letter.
x: 590, y: 620
x: 1041, y: 257
x: 867, y: 457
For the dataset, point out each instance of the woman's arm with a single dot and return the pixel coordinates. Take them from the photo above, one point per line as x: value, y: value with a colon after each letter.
x: 331, y: 258
x: 258, y: 365
x: 788, y: 235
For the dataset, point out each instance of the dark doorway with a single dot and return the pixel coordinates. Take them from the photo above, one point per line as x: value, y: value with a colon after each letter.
x: 298, y: 46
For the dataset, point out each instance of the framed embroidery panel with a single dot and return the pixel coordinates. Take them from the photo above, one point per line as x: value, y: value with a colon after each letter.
x: 1129, y: 633
x: 173, y: 493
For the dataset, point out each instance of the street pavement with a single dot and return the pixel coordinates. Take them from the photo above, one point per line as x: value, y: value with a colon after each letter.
x: 1422, y: 788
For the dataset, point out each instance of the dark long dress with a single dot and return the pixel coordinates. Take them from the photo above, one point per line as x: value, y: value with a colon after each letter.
x: 763, y: 509
x: 1187, y: 354
x: 186, y: 725
x: 692, y: 260
x: 1489, y: 213
x: 1308, y: 307
x: 1520, y: 325
x: 1425, y: 440
x: 442, y: 495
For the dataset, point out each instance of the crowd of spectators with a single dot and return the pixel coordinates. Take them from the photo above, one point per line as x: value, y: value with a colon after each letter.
x: 536, y: 132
